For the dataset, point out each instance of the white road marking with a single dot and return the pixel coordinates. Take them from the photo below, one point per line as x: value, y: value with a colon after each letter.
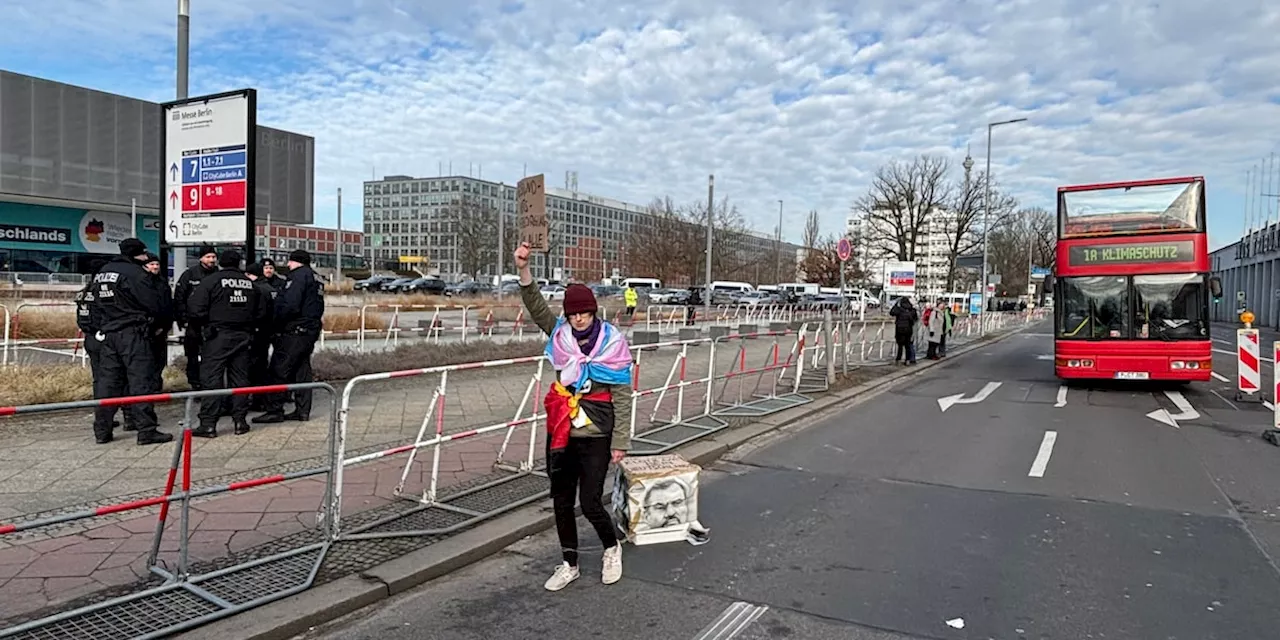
x: 1045, y: 356
x: 1219, y: 376
x: 1224, y: 399
x: 1062, y: 397
x: 1042, y: 457
x: 1268, y: 405
x: 1185, y: 411
x: 1235, y: 355
x: 945, y: 403
x: 735, y: 618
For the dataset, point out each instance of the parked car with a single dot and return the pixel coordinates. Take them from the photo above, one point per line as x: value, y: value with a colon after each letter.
x: 508, y: 289
x: 753, y: 298
x: 552, y: 292
x: 606, y: 290
x: 469, y: 288
x: 372, y: 283
x: 394, y: 286
x: 430, y: 286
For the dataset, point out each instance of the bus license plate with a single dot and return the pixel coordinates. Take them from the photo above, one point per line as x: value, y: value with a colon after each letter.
x: 1132, y: 375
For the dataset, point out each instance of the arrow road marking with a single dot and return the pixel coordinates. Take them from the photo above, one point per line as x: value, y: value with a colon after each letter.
x: 1042, y: 457
x: 945, y: 403
x: 1185, y: 411
x: 1062, y: 397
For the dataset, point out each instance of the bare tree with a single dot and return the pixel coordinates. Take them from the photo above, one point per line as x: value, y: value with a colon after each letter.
x: 1023, y: 240
x: 476, y: 224
x: 964, y: 226
x: 897, y: 206
x: 811, y: 239
x: 822, y: 264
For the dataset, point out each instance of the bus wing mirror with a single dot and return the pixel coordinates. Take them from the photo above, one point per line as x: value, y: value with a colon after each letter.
x: 1215, y: 287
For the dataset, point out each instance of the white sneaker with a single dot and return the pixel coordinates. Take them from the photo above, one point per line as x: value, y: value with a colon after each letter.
x: 562, y: 577
x: 612, y: 571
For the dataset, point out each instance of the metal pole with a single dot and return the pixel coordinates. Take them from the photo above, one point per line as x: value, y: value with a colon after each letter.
x: 269, y: 247
x: 844, y: 326
x: 986, y: 212
x: 827, y: 346
x: 1030, y: 238
x: 339, y: 276
x: 184, y: 45
x: 711, y: 201
x: 502, y: 214
x: 777, y: 274
x: 133, y: 217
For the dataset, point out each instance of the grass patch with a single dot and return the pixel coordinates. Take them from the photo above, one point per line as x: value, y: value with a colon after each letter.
x: 45, y: 325
x: 350, y: 321
x: 37, y: 384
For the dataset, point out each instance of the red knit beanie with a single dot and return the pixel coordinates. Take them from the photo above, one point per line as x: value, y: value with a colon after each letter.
x: 578, y: 298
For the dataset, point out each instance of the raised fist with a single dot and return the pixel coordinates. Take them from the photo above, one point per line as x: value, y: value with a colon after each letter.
x: 521, y: 255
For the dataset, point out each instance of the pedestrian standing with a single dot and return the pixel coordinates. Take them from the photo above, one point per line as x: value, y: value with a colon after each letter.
x: 124, y: 307
x: 904, y: 324
x: 588, y: 417
x: 935, y: 324
x: 228, y: 308
x: 299, y: 312
x: 260, y: 352
x: 164, y: 323
x: 271, y: 276
x: 949, y: 317
x: 691, y: 306
x: 191, y: 337
x: 631, y: 298
x: 89, y: 330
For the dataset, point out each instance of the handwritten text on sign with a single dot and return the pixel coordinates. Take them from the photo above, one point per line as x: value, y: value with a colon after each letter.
x: 531, y: 212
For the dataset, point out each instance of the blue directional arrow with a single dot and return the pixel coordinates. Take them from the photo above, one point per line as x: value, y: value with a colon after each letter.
x: 173, y: 172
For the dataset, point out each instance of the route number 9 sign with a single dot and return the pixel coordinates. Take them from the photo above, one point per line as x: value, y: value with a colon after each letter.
x: 531, y: 213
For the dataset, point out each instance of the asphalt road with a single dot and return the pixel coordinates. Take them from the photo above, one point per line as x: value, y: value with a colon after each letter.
x: 1026, y: 512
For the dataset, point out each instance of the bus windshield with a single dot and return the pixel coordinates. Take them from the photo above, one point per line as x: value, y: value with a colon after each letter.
x: 1126, y: 210
x: 1164, y: 307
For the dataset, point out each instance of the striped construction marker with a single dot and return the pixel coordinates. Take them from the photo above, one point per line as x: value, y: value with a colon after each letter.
x: 1249, y: 374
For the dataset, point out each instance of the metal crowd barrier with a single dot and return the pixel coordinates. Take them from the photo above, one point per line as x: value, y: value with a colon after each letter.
x: 185, y: 600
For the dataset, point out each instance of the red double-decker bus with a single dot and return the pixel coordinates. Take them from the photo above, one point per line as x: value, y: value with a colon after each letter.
x: 1132, y: 290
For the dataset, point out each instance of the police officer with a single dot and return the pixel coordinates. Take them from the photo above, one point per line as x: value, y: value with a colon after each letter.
x: 89, y: 329
x: 269, y: 274
x: 228, y: 308
x: 124, y: 308
x: 161, y: 327
x: 299, y: 309
x: 260, y: 356
x: 181, y: 292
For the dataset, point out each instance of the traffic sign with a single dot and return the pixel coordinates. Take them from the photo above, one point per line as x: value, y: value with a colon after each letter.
x: 208, y: 147
x: 844, y: 249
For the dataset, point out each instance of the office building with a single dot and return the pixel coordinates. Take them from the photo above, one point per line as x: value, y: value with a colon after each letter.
x: 419, y: 221
x: 277, y: 240
x: 79, y: 172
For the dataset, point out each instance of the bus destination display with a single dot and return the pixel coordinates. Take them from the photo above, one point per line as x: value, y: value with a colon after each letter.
x: 1137, y: 253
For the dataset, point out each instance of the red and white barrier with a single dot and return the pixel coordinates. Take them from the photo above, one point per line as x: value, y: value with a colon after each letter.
x: 1249, y: 373
x: 1275, y: 388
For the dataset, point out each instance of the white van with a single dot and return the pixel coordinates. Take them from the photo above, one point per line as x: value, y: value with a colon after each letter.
x: 799, y: 288
x: 642, y: 283
x: 730, y: 286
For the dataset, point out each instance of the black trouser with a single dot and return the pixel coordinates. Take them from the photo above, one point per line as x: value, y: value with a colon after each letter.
x: 631, y: 310
x: 580, y: 468
x: 259, y: 362
x: 160, y: 358
x: 93, y: 349
x: 906, y: 346
x: 690, y: 314
x: 125, y: 368
x: 291, y: 363
x: 191, y: 345
x: 932, y: 352
x: 224, y: 363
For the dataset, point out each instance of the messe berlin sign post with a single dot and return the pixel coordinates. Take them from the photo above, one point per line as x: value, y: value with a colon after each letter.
x: 208, y: 181
x: 900, y: 278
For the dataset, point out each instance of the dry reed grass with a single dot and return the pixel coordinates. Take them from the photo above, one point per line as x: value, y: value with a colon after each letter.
x: 45, y: 325
x: 343, y: 321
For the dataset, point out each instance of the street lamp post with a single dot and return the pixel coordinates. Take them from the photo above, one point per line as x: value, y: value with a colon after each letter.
x: 986, y: 213
x: 777, y: 268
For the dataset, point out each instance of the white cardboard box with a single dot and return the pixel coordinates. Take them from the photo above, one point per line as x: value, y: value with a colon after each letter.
x: 655, y: 498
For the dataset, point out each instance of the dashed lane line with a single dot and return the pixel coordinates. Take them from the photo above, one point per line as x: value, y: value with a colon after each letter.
x: 1042, y: 456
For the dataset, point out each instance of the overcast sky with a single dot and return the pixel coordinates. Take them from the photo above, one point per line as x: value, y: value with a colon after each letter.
x: 793, y: 100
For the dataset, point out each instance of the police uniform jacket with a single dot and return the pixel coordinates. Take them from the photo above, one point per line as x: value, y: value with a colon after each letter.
x: 227, y: 299
x: 123, y: 297
x: 300, y: 306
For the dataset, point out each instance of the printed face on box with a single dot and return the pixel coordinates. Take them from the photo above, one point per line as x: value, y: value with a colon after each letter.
x: 666, y: 503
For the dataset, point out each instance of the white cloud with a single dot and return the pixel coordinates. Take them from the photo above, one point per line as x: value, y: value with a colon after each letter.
x: 797, y: 100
